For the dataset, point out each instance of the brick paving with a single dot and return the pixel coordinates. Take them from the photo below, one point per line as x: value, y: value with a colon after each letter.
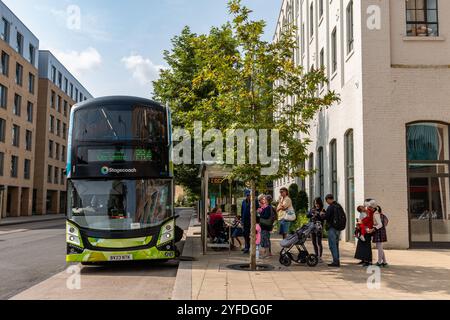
x: 412, y: 275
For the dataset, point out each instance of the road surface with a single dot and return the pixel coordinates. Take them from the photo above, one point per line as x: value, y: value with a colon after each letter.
x: 33, y: 256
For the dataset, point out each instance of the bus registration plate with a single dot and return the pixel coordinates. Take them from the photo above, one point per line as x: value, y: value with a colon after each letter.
x: 125, y: 257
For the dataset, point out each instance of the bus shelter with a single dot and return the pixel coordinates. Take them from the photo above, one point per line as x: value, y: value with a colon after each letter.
x: 218, y: 191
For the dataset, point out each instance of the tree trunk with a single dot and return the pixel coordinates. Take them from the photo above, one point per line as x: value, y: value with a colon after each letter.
x: 253, y: 227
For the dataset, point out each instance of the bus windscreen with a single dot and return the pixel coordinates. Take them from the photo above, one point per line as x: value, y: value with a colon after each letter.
x: 120, y: 123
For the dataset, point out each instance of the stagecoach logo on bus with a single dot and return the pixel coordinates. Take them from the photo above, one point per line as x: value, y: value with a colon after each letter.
x: 106, y: 170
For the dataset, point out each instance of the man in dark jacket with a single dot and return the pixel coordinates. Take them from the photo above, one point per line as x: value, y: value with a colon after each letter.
x: 246, y: 219
x: 333, y: 234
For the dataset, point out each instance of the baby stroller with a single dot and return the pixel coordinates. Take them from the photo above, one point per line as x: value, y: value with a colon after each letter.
x: 218, y: 232
x: 298, y: 239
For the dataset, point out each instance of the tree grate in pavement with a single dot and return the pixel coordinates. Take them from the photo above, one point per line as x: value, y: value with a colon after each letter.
x: 246, y: 267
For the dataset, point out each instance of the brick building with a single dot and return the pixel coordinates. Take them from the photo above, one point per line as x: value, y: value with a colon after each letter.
x: 388, y: 138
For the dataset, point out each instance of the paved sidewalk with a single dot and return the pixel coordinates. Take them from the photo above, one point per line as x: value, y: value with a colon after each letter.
x: 30, y: 219
x: 412, y: 275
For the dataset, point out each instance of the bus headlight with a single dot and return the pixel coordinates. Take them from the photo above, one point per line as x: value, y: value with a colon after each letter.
x: 167, y: 233
x: 73, y: 235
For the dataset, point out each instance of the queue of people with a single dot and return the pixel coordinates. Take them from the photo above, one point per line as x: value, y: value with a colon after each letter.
x: 370, y: 226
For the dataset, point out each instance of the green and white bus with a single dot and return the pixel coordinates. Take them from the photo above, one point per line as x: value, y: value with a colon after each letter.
x: 120, y: 182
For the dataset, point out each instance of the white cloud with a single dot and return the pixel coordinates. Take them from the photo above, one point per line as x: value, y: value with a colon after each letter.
x: 77, y: 62
x: 142, y: 69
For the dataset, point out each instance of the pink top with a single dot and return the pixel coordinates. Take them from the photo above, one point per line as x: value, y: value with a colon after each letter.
x: 258, y: 234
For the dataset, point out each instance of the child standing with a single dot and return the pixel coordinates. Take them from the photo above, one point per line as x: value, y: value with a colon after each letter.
x: 361, y: 228
x: 258, y: 237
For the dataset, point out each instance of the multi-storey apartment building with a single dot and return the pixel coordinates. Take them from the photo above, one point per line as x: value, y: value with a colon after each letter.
x: 388, y: 138
x: 18, y: 101
x: 59, y: 90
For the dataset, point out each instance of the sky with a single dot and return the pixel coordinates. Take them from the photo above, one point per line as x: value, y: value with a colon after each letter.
x: 115, y: 47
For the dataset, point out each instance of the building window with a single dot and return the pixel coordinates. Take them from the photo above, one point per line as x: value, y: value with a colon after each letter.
x: 5, y: 64
x: 60, y: 80
x: 19, y: 74
x: 58, y: 104
x: 14, y: 166
x: 29, y: 140
x: 66, y: 85
x: 6, y: 27
x: 2, y: 130
x: 54, y: 74
x: 320, y: 8
x: 52, y: 124
x: 52, y: 99
x: 350, y: 33
x: 333, y: 169
x: 350, y: 182
x: 71, y: 91
x: 3, y: 96
x: 422, y: 18
x: 56, y: 173
x: 65, y: 108
x: 63, y: 153
x: 27, y: 169
x: 320, y: 172
x: 17, y: 105
x: 49, y: 174
x: 57, y: 151
x: 58, y: 128
x: 303, y: 45
x: 334, y: 51
x: 311, y: 20
x: 64, y: 131
x: 322, y: 63
x: 50, y: 149
x: 311, y: 179
x: 30, y: 108
x: 32, y: 54
x: 2, y: 164
x: 302, y: 178
x: 76, y: 95
x: 19, y: 45
x: 62, y: 177
x: 428, y: 147
x: 31, y: 80
x: 16, y: 136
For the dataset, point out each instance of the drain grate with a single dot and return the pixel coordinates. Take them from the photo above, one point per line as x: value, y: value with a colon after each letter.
x: 246, y: 267
x: 186, y: 258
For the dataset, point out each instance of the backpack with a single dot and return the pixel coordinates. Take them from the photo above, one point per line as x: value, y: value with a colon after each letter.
x: 339, y: 221
x: 269, y: 222
x: 384, y: 220
x: 274, y: 215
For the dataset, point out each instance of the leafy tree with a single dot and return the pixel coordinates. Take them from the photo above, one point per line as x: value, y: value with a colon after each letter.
x: 303, y: 201
x: 240, y: 81
x: 176, y: 88
x: 293, y: 194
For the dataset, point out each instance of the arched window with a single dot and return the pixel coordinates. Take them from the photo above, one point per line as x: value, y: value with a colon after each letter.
x: 320, y: 172
x: 333, y: 169
x: 428, y: 147
x: 350, y: 182
x: 428, y: 142
x: 311, y: 179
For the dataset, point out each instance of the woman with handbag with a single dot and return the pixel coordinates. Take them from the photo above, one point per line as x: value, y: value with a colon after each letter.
x: 266, y: 223
x: 286, y: 212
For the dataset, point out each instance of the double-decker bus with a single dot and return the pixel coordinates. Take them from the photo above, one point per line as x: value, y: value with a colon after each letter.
x: 120, y: 182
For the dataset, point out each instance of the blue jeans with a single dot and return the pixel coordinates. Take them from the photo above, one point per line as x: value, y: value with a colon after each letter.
x: 333, y: 242
x: 284, y: 227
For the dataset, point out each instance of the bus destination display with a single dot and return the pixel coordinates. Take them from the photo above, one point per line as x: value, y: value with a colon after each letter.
x: 119, y: 155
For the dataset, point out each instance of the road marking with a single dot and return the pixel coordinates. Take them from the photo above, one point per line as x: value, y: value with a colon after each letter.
x: 13, y: 231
